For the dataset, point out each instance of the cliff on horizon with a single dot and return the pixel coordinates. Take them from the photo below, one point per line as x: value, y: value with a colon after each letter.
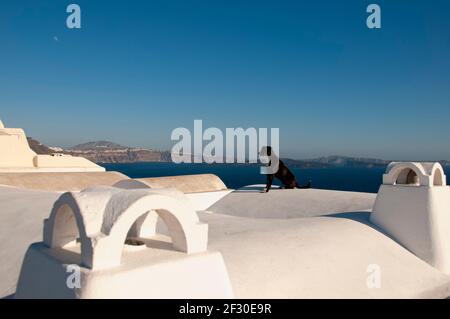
x: 104, y: 152
x: 110, y: 152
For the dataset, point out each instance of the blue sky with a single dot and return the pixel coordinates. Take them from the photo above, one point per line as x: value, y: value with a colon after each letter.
x: 138, y: 69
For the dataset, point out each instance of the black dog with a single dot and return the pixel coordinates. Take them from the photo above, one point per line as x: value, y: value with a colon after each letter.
x: 283, y: 174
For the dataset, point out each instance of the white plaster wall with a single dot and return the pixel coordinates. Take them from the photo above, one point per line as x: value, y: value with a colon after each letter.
x: 158, y: 275
x: 418, y: 218
x: 17, y: 156
x: 415, y: 211
x: 14, y: 149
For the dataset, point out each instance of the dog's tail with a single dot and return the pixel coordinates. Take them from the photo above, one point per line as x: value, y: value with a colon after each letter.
x: 307, y: 185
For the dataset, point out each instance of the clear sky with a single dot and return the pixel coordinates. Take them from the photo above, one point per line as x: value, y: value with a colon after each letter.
x: 138, y: 69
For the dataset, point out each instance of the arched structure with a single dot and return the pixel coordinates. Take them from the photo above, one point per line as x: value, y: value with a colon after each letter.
x: 413, y: 207
x: 413, y: 173
x: 100, y: 218
x: 96, y: 222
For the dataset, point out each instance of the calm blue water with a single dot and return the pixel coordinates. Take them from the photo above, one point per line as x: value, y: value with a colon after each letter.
x: 235, y: 176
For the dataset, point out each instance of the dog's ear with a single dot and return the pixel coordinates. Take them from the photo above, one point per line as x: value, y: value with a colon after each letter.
x: 269, y: 150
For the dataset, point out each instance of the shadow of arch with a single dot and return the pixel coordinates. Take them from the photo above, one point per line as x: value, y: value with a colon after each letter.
x: 438, y: 177
x: 66, y: 227
x: 151, y: 224
x: 407, y: 176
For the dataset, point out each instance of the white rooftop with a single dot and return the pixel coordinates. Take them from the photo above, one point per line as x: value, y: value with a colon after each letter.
x: 284, y: 244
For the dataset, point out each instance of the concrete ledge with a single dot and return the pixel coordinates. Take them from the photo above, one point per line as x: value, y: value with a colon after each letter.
x: 187, y: 183
x: 61, y: 181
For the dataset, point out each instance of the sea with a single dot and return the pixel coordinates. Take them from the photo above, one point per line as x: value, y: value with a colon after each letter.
x: 355, y: 179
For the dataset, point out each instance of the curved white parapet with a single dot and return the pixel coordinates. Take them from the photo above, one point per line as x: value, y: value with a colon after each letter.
x: 202, y: 190
x: 96, y: 223
x: 413, y: 206
x: 188, y: 184
x: 197, y: 183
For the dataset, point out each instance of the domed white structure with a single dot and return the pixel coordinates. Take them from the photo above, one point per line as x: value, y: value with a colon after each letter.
x: 88, y: 230
x: 413, y: 206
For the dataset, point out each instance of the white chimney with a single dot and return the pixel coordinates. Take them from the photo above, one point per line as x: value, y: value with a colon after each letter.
x: 101, y: 243
x: 413, y: 207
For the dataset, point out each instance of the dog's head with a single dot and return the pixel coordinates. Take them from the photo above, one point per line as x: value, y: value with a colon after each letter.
x: 270, y: 159
x: 265, y: 151
x: 266, y: 155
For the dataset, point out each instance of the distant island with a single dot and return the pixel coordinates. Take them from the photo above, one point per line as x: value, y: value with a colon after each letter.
x: 335, y: 161
x: 109, y: 152
x: 104, y: 152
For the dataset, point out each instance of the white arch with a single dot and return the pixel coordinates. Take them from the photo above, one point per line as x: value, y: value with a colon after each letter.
x: 188, y: 235
x: 65, y: 224
x: 429, y: 174
x: 104, y: 217
x: 438, y: 176
x: 396, y: 170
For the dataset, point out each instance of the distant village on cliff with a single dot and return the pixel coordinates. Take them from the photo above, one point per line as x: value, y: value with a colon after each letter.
x: 110, y: 152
